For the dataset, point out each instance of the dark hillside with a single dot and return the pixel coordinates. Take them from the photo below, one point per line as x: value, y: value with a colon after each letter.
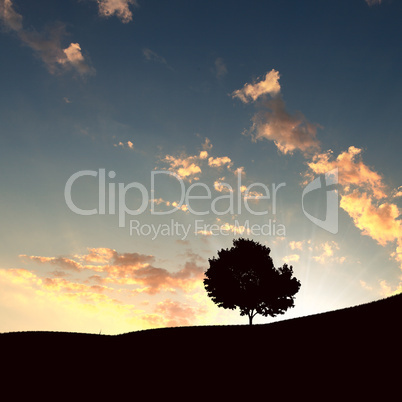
x: 349, y: 350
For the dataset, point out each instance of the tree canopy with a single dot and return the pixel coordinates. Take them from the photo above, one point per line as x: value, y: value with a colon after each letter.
x: 245, y: 277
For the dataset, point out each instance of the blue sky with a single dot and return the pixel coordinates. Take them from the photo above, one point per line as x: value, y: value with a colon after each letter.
x: 272, y: 92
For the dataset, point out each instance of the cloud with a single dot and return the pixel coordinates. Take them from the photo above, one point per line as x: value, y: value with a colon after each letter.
x: 364, y: 285
x: 74, y: 59
x: 289, y: 132
x: 99, y: 255
x: 251, y: 92
x: 222, y: 187
x: 218, y: 162
x: 362, y: 190
x: 29, y: 300
x: 296, y: 245
x: 11, y: 19
x: 74, y: 288
x: 190, y: 167
x: 47, y: 45
x: 291, y: 258
x: 155, y: 280
x: 327, y: 251
x: 353, y: 172
x: 224, y: 229
x: 128, y: 144
x: 387, y: 290
x: 397, y: 193
x: 62, y: 262
x: 152, y: 56
x: 120, y: 8
x: 373, y: 2
x: 203, y: 155
x: 207, y: 146
x: 186, y: 167
x: 128, y: 269
x: 159, y: 201
x: 380, y: 222
x: 169, y: 313
x: 220, y: 69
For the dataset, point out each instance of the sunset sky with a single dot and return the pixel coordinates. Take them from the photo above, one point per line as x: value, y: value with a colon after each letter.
x: 138, y: 105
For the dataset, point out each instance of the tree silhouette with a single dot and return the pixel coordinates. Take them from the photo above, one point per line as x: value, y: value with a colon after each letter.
x: 245, y: 277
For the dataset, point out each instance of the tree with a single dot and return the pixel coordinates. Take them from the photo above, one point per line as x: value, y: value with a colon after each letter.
x: 245, y: 277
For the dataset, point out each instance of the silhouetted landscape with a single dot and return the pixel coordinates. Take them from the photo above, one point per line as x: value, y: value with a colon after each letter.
x: 349, y: 350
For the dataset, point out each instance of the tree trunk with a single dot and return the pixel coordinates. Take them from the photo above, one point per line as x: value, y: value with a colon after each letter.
x: 250, y: 319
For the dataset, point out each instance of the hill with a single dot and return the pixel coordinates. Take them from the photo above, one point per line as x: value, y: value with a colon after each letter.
x: 352, y: 350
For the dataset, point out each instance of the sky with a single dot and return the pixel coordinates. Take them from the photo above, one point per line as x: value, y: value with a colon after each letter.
x: 139, y: 137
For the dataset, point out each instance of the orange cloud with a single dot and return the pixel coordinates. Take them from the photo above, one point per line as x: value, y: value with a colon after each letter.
x: 11, y: 19
x: 327, y: 253
x: 291, y: 258
x: 379, y: 222
x: 289, y: 132
x: 222, y: 187
x: 251, y: 92
x: 273, y: 122
x: 387, y: 290
x: 127, y: 269
x: 159, y: 201
x: 129, y: 144
x: 218, y: 162
x: 99, y: 255
x: 203, y: 155
x: 30, y: 301
x: 154, y: 280
x: 352, y: 171
x: 65, y: 263
x: 169, y: 313
x: 214, y: 229
x: 190, y: 167
x: 120, y: 8
x: 185, y: 167
x: 296, y: 245
x: 47, y: 45
x: 74, y: 57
